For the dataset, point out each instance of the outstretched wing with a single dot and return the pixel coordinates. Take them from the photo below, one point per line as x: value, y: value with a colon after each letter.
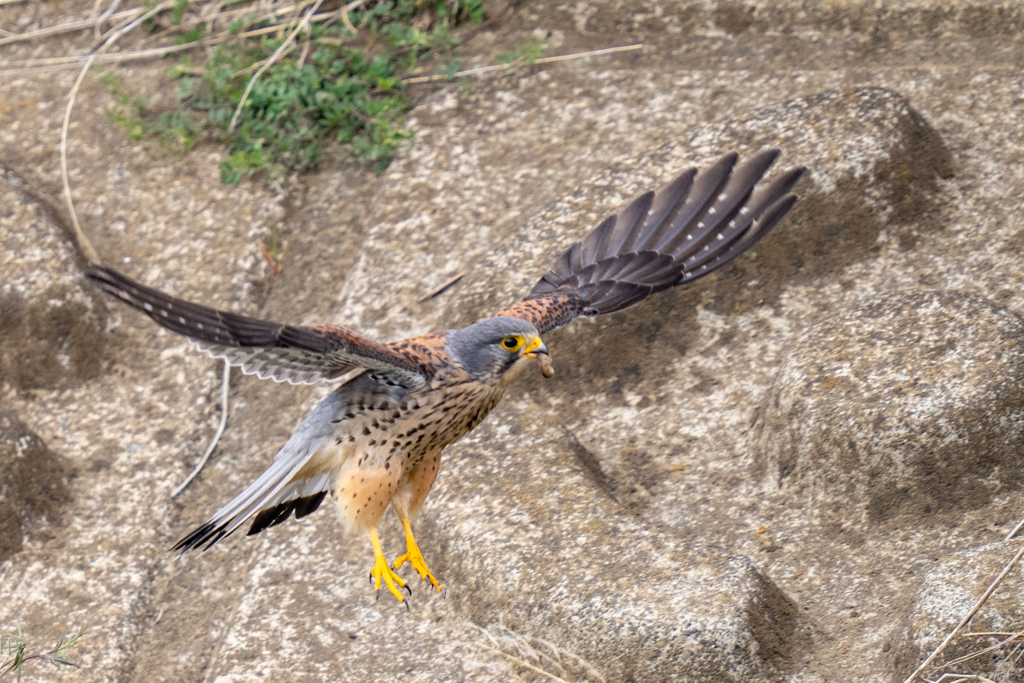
x: 694, y: 225
x: 297, y: 354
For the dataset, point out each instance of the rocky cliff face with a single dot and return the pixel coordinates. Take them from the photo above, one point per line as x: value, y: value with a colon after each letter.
x: 798, y: 469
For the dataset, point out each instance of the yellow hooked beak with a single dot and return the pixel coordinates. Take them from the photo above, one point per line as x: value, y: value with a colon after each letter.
x: 537, y: 349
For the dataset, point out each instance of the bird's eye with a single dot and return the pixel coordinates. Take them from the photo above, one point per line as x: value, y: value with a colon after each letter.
x: 511, y: 343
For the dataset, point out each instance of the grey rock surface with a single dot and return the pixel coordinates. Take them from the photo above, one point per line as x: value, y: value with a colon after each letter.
x: 33, y: 484
x: 51, y: 325
x: 902, y: 405
x: 619, y: 511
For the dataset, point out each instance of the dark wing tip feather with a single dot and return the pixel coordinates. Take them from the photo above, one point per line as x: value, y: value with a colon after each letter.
x: 206, y: 535
x: 280, y: 513
x: 691, y: 227
x: 184, y: 317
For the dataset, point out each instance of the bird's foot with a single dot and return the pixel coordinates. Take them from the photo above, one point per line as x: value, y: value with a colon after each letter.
x: 381, y: 572
x: 415, y: 559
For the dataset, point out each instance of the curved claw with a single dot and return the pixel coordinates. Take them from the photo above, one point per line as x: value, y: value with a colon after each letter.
x: 382, y: 571
x: 417, y: 563
x: 413, y: 557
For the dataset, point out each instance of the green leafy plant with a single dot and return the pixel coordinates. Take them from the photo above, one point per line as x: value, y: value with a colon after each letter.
x: 15, y: 653
x: 277, y: 99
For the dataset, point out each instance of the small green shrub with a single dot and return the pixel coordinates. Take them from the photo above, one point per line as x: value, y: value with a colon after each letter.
x: 332, y: 84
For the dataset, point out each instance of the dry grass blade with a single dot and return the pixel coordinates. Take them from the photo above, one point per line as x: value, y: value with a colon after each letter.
x: 495, y: 648
x: 970, y: 615
x: 68, y: 27
x: 991, y: 648
x: 503, y: 67
x: 530, y: 657
x: 83, y: 242
x: 344, y: 17
x: 103, y: 17
x: 1020, y: 524
x: 441, y: 288
x: 269, y: 12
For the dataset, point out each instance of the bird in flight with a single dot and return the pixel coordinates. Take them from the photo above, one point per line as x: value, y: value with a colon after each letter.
x: 377, y: 439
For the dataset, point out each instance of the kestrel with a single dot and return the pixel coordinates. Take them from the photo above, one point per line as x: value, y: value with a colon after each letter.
x: 377, y: 439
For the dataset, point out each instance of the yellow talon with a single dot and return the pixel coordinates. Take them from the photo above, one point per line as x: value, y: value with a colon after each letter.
x: 413, y: 557
x: 381, y: 570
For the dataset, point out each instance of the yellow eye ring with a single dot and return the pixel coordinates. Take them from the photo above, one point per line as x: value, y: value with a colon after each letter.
x: 512, y: 343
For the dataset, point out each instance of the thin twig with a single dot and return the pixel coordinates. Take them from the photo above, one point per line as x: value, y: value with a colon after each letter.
x: 542, y: 60
x: 116, y: 28
x: 440, y: 289
x: 1017, y: 528
x: 974, y: 610
x: 59, y: 62
x: 103, y: 17
x: 252, y: 81
x: 305, y: 51
x: 348, y: 22
x: 225, y: 387
x: 65, y: 28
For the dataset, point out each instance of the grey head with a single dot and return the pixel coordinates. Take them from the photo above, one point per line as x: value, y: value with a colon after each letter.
x: 490, y: 348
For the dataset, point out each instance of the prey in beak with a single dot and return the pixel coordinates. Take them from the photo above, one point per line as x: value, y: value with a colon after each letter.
x: 537, y: 349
